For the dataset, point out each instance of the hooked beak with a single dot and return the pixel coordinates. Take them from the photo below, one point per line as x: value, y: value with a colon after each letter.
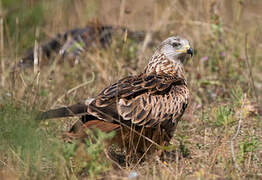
x: 187, y: 50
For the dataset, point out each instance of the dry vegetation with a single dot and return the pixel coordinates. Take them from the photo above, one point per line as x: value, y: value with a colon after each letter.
x: 220, y: 136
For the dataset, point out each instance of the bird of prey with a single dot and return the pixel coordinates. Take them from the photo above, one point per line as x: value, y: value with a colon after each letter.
x: 147, y: 106
x: 74, y: 42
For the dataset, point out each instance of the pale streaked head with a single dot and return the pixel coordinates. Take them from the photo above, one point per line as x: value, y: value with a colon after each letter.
x: 175, y: 48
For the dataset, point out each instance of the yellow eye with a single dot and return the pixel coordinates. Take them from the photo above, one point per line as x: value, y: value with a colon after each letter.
x: 176, y: 44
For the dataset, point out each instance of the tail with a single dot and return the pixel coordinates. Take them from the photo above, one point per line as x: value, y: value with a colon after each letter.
x: 74, y: 110
x: 86, y: 121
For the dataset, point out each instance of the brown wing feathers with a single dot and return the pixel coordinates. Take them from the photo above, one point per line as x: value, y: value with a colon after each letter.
x: 138, y: 98
x: 135, y: 85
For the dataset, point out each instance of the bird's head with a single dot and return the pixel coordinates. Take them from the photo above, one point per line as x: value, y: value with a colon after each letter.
x: 176, y: 48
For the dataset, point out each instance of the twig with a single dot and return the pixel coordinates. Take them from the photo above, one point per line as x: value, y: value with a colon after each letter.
x: 236, y: 134
x: 36, y: 49
x: 251, y: 79
x: 75, y: 88
x: 23, y: 81
x: 18, y: 158
x: 125, y: 125
x: 121, y: 12
x: 143, y: 154
x: 2, y: 51
x: 116, y: 163
x: 6, y: 165
x: 139, y: 138
x: 147, y: 40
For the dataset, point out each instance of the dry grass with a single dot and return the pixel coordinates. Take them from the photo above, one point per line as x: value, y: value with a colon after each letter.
x: 224, y: 78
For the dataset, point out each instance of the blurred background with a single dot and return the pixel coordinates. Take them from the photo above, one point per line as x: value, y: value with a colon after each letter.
x: 224, y: 76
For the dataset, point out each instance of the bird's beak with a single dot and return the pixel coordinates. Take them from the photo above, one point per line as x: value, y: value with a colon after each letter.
x: 187, y: 50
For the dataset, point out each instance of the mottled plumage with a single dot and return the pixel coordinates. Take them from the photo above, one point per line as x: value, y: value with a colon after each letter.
x: 150, y: 103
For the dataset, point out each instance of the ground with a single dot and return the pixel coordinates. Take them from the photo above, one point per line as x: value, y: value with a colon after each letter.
x: 219, y: 136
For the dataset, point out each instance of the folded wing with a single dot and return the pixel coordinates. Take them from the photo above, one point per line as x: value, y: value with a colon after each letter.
x: 142, y: 100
